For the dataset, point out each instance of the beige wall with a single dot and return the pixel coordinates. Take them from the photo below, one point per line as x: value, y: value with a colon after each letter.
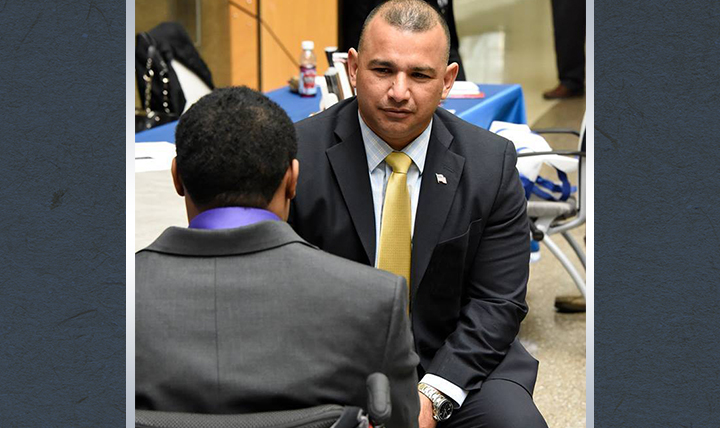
x: 244, y: 42
x: 229, y: 42
x: 293, y: 21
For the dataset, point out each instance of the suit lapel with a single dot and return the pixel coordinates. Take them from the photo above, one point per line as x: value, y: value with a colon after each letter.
x: 349, y: 164
x: 435, y: 198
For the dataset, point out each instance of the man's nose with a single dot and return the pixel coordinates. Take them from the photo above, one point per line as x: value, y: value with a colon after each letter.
x: 399, y: 91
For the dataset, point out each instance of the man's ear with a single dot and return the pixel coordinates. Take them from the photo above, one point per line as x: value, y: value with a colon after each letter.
x: 352, y: 65
x: 177, y: 181
x: 451, y: 73
x: 291, y: 185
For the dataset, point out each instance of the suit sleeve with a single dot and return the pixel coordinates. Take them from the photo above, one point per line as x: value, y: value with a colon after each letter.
x: 400, y: 363
x: 494, y: 291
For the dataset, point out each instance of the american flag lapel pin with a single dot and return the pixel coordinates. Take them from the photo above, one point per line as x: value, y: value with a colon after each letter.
x: 441, y: 178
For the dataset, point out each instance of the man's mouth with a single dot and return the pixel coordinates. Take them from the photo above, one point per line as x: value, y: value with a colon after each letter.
x: 397, y: 112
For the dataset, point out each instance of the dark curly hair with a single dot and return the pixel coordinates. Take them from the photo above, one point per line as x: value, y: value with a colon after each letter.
x: 233, y: 148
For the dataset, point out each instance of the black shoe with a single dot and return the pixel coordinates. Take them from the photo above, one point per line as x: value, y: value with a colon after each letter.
x: 570, y: 304
x: 562, y: 92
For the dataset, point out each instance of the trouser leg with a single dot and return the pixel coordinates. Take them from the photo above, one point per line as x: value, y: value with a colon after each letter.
x: 498, y: 404
x: 569, y: 30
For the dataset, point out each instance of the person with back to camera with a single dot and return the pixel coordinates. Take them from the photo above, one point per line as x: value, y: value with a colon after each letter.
x: 394, y: 182
x: 237, y: 313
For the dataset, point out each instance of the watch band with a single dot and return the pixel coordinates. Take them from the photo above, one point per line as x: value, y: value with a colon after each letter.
x: 442, y: 407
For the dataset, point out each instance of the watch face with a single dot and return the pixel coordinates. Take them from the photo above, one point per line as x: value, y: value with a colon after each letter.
x: 445, y: 410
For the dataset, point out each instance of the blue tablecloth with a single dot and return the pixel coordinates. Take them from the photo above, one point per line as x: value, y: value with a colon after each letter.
x: 501, y: 102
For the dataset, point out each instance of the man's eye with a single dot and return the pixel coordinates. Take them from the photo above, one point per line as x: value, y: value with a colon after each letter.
x: 421, y: 76
x: 382, y: 70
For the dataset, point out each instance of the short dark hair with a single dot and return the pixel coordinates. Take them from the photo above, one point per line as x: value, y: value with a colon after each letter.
x: 234, y: 146
x: 409, y: 15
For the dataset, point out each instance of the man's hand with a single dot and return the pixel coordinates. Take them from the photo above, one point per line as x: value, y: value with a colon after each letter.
x: 425, y: 419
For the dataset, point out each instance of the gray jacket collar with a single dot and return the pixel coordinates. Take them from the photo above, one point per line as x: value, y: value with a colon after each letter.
x: 256, y: 237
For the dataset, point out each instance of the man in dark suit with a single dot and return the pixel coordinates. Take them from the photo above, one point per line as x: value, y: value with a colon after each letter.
x: 456, y: 225
x: 237, y: 313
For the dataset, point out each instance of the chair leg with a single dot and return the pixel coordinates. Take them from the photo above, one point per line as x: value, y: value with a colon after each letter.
x: 575, y: 246
x: 579, y: 281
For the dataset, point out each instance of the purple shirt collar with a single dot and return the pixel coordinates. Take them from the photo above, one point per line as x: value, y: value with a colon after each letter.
x: 230, y: 217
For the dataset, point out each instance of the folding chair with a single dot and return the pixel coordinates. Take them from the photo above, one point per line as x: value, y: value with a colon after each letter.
x: 551, y: 217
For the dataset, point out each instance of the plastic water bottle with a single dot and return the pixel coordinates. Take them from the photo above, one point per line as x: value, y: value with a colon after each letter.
x: 308, y: 70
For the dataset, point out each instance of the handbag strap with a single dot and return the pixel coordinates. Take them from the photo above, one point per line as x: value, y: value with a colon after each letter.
x: 148, y: 78
x: 165, y: 79
x: 534, y: 187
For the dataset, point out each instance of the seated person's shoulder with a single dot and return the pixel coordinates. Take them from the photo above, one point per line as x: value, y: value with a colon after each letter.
x: 362, y: 279
x: 144, y: 256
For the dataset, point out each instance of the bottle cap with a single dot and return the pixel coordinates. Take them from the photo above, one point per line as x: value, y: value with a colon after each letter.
x: 308, y: 45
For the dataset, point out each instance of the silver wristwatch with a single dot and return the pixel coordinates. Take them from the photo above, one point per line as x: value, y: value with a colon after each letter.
x: 442, y: 407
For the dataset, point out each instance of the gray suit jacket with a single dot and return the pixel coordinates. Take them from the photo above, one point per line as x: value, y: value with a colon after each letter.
x: 256, y: 319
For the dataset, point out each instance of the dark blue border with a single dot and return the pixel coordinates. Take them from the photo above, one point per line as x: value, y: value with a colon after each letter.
x: 657, y: 229
x: 62, y: 170
x: 62, y: 222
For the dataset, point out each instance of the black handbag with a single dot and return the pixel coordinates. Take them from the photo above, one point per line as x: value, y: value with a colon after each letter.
x: 156, y: 79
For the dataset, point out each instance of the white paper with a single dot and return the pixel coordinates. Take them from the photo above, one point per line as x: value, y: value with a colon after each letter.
x: 154, y: 156
x: 461, y: 87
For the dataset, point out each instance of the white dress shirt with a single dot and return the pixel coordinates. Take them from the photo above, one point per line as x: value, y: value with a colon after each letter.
x: 376, y: 151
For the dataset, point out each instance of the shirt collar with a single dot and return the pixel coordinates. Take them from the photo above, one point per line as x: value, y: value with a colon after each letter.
x: 230, y: 217
x: 377, y: 150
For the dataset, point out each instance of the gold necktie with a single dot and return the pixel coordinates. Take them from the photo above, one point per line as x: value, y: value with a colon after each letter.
x: 395, y: 246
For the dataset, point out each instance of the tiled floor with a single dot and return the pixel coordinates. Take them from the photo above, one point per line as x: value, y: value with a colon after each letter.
x: 502, y: 41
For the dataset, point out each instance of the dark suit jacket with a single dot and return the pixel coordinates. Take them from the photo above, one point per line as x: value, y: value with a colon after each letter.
x: 255, y: 319
x: 470, y: 247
